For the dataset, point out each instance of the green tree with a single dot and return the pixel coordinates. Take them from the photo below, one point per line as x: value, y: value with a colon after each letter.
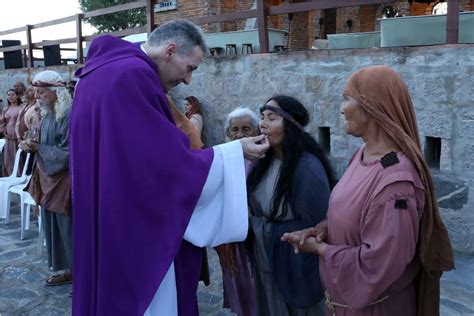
x: 114, y: 21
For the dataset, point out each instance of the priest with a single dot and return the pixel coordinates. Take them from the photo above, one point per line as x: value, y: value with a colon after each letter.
x: 143, y: 201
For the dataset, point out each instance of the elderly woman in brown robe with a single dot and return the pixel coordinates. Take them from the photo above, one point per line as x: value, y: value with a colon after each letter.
x: 8, y: 119
x: 386, y: 245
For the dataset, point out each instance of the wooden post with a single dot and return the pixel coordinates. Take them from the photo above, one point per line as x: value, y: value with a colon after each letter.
x: 150, y: 16
x: 80, y: 54
x: 452, y: 22
x: 30, y: 63
x: 262, y: 26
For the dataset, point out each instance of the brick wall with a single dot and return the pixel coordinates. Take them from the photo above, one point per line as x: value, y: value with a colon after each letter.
x: 305, y: 26
x: 367, y: 17
x: 186, y: 9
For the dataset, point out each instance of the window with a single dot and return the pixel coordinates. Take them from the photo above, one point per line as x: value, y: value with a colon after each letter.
x: 433, y: 151
x: 325, y: 139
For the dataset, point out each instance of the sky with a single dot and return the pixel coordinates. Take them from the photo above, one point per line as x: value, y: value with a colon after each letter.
x: 18, y: 13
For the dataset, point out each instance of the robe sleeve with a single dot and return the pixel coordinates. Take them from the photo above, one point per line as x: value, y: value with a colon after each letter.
x: 309, y: 197
x: 219, y: 217
x: 389, y: 234
x: 56, y: 157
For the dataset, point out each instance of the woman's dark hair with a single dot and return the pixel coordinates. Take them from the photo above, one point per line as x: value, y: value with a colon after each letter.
x: 195, y: 106
x: 17, y: 97
x: 295, y: 143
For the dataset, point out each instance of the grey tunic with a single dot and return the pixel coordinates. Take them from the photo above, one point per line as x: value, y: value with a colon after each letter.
x: 50, y: 188
x: 269, y: 298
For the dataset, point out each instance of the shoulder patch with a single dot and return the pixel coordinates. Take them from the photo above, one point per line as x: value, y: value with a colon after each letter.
x: 389, y: 159
x: 401, y: 204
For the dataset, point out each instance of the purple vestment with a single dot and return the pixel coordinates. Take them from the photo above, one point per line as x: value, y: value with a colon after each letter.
x: 135, y: 183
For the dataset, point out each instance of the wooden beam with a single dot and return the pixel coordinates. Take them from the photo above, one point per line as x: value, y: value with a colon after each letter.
x: 242, y: 15
x: 262, y: 26
x: 13, y: 48
x: 452, y: 22
x: 30, y: 47
x: 79, y: 54
x: 135, y: 30
x: 55, y: 42
x: 318, y: 5
x: 150, y: 16
x: 54, y: 22
x: 114, y: 9
x: 12, y: 31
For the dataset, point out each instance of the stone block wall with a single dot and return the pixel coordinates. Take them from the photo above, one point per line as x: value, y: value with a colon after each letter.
x: 440, y: 80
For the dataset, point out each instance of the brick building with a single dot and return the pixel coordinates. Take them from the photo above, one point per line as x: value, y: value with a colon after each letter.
x: 306, y: 26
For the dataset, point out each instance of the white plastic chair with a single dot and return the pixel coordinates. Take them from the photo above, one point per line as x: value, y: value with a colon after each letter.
x: 25, y: 214
x: 7, y: 182
x: 28, y: 203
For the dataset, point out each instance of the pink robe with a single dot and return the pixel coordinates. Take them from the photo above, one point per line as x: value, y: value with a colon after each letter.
x: 7, y: 128
x: 373, y: 220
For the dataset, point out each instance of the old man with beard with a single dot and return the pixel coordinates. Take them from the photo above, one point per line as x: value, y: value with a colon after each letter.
x: 50, y: 182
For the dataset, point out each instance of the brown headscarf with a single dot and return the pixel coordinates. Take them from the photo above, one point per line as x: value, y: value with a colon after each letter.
x: 383, y: 94
x: 185, y: 125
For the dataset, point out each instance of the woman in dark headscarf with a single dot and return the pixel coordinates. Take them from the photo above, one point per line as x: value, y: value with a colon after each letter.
x: 386, y: 244
x: 288, y: 190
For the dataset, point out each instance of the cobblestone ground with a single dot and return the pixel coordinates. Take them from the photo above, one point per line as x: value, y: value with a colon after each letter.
x: 22, y: 275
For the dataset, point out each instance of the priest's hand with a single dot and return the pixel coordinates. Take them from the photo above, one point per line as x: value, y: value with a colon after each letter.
x: 255, y: 147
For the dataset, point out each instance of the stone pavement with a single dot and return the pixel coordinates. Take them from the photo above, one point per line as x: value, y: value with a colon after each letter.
x: 22, y: 275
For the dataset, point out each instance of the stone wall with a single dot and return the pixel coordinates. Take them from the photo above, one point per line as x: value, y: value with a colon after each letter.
x: 440, y: 80
x: 10, y: 76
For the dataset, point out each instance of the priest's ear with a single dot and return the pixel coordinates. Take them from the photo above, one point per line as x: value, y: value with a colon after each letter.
x: 170, y: 50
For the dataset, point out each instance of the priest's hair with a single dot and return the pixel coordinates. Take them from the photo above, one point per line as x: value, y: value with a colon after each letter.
x: 186, y: 35
x: 64, y: 101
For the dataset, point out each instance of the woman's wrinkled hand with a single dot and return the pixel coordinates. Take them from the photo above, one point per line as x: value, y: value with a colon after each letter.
x: 310, y: 239
x: 28, y: 146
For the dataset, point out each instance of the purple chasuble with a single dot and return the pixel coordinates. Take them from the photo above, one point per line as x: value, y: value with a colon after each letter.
x: 135, y: 184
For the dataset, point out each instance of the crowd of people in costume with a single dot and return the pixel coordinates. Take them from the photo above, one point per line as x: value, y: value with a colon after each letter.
x: 291, y: 238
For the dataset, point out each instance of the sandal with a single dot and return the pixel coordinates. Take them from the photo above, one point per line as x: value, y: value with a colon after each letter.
x: 59, y: 279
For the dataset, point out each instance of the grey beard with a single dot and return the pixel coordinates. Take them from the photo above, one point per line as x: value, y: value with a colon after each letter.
x: 44, y: 108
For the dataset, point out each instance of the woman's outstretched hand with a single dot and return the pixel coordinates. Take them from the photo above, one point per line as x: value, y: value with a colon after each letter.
x: 310, y: 239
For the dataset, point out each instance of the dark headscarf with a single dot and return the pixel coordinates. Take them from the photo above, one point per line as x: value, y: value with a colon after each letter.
x: 383, y: 94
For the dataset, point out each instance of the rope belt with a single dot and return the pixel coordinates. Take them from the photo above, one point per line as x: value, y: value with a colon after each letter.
x: 332, y: 305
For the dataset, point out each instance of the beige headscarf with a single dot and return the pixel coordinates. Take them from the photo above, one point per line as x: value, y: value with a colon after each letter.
x: 383, y: 94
